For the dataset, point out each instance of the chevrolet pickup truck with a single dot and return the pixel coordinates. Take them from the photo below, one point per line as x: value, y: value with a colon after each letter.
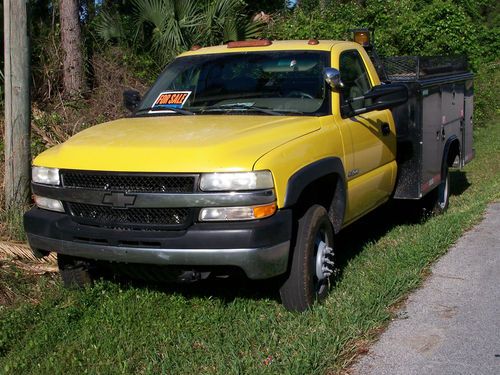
x: 252, y: 156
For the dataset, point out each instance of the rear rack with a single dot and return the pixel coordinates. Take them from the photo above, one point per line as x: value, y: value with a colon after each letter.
x: 414, y: 68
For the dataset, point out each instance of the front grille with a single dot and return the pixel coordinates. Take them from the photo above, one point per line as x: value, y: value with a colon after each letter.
x: 139, y: 183
x: 130, y: 217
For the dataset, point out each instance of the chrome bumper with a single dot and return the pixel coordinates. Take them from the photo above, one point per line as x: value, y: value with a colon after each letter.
x: 257, y: 263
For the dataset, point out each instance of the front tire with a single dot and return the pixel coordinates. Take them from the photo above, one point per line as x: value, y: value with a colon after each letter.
x: 75, y: 273
x: 312, y: 263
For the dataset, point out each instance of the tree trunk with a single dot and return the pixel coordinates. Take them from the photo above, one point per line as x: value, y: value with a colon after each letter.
x: 73, y: 78
x: 17, y: 104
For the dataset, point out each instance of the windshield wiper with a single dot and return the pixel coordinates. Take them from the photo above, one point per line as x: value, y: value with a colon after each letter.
x: 155, y: 111
x: 293, y: 111
x: 239, y: 107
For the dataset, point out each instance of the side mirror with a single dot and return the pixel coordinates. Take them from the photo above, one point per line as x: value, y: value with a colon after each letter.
x: 383, y: 97
x: 332, y: 77
x: 131, y: 99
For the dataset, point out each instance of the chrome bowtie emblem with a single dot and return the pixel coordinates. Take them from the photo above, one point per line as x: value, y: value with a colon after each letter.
x: 118, y: 200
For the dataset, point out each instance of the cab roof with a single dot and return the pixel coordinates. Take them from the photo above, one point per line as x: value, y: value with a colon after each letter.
x: 276, y: 45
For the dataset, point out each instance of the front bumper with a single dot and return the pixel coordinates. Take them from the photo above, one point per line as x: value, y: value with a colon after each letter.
x: 260, y: 248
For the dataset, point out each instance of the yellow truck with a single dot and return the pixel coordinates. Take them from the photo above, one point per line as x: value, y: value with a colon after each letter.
x: 251, y: 156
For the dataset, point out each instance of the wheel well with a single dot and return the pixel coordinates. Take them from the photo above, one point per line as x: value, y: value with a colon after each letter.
x: 453, y: 152
x: 327, y: 191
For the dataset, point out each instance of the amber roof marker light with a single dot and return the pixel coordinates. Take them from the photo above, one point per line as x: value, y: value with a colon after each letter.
x: 250, y: 43
x: 363, y: 36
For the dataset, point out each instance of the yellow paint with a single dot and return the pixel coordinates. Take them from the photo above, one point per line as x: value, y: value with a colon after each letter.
x: 212, y: 143
x: 278, y: 45
x: 284, y: 161
x: 369, y: 191
x: 217, y: 143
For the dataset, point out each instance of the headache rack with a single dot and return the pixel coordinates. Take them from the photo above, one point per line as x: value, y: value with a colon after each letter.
x: 415, y: 68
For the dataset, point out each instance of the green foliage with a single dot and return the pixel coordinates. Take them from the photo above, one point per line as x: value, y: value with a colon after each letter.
x: 144, y: 65
x: 12, y: 223
x: 444, y: 28
x: 46, y: 55
x: 423, y: 27
x: 487, y: 102
x: 173, y: 25
x: 328, y: 24
x: 109, y: 26
x: 165, y: 28
x: 224, y: 21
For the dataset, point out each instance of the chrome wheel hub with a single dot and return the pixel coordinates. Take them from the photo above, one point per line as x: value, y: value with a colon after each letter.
x: 325, y: 265
x: 443, y: 194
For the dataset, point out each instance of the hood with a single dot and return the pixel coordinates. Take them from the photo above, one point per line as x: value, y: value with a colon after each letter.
x: 212, y: 143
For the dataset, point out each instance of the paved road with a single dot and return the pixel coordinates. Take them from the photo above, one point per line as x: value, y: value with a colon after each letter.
x: 452, y: 324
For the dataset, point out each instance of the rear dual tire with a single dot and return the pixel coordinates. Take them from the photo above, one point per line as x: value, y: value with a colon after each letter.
x: 438, y: 200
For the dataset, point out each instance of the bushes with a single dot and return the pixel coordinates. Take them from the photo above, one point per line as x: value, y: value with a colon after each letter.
x: 487, y: 87
x: 422, y: 27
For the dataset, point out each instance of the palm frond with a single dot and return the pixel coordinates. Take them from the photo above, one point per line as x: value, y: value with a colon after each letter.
x: 171, y: 26
x: 108, y: 27
x: 253, y: 29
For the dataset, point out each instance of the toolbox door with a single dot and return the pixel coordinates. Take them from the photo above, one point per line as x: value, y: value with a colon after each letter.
x: 453, y: 114
x: 432, y: 142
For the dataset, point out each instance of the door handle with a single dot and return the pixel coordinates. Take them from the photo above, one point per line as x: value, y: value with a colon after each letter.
x: 386, y: 129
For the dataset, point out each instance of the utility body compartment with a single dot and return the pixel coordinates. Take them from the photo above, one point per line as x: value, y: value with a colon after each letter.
x: 437, y: 115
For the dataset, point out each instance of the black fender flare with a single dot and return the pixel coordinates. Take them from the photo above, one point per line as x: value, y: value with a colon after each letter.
x: 446, y: 151
x: 314, y: 171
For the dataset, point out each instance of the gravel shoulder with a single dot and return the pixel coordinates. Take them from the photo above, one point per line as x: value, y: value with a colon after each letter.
x: 452, y: 324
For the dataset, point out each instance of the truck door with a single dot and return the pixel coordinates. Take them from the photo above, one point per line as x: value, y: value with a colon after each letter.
x: 373, y: 137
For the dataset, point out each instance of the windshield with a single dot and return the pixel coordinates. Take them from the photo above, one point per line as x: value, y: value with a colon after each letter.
x: 272, y: 83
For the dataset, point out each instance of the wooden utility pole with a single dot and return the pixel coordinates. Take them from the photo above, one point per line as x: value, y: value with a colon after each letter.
x: 17, y: 103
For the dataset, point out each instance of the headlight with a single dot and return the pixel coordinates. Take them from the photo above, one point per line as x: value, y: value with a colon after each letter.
x: 47, y: 176
x: 48, y: 203
x: 237, y: 213
x: 229, y: 181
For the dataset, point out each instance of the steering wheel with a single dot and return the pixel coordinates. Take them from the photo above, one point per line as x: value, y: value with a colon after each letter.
x: 299, y: 94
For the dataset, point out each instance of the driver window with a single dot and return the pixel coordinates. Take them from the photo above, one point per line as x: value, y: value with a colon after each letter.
x: 355, y: 79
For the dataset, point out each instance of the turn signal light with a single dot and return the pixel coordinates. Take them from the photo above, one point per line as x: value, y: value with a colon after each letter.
x: 237, y: 213
x: 260, y: 212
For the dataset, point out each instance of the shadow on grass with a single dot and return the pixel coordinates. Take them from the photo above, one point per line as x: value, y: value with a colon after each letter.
x: 458, y: 182
x: 225, y: 288
x: 350, y: 242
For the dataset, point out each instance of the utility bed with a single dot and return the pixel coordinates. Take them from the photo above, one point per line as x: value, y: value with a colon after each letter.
x: 438, y: 112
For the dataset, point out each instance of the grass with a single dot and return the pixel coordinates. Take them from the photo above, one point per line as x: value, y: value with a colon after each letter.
x: 226, y: 327
x: 11, y: 223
